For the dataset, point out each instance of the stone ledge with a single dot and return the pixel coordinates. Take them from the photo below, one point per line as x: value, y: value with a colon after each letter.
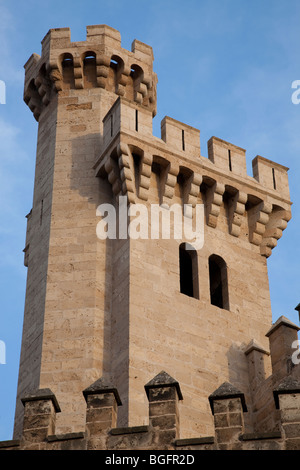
x: 194, y: 441
x: 288, y: 386
x: 129, y: 430
x: 101, y: 386
x: 261, y: 436
x: 161, y: 380
x: 65, y: 437
x: 224, y: 392
x: 255, y: 346
x: 12, y: 443
x: 282, y: 321
x: 41, y: 394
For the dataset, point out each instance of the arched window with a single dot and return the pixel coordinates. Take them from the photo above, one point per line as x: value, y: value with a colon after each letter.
x: 89, y: 69
x: 188, y: 266
x: 218, y: 282
x: 115, y: 81
x: 67, y: 65
x: 136, y: 72
x: 137, y: 75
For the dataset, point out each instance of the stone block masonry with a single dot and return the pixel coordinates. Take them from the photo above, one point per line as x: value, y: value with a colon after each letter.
x: 162, y: 432
x: 118, y: 311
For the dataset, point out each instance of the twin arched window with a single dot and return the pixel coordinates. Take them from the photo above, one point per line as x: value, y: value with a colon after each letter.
x: 218, y: 283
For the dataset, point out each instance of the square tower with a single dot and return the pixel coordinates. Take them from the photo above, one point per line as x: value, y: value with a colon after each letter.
x: 123, y: 305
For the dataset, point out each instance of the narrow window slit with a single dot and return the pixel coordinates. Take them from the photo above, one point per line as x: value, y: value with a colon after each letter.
x: 111, y: 125
x: 229, y: 160
x: 274, y: 179
x: 183, y: 142
x: 136, y: 120
x: 41, y: 214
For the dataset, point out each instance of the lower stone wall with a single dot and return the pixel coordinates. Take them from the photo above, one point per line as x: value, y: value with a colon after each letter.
x: 163, y: 432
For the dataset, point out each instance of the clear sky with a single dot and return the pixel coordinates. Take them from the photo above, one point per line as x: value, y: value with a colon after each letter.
x: 225, y: 67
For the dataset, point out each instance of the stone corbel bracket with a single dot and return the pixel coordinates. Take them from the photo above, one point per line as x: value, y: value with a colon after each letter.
x: 145, y: 174
x: 168, y: 184
x: 113, y: 174
x: 123, y: 80
x: 33, y: 92
x: 214, y: 201
x: 142, y: 89
x: 43, y: 86
x: 236, y: 212
x: 109, y: 168
x: 258, y: 219
x: 191, y: 192
x: 78, y: 73
x: 117, y: 167
x: 194, y: 190
x: 55, y: 74
x: 102, y: 70
x: 278, y: 221
x: 126, y: 172
x: 266, y: 224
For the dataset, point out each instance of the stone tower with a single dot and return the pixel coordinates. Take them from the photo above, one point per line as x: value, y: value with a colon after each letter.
x: 125, y: 308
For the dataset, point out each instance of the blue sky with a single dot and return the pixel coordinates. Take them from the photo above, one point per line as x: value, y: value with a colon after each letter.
x: 224, y: 66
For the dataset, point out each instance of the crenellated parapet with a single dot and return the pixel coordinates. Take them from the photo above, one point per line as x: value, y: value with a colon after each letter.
x: 132, y: 155
x: 98, y: 62
x: 257, y: 207
x: 112, y: 309
x: 227, y: 403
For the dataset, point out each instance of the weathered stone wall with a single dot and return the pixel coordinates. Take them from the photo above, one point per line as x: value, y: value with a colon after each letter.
x: 113, y: 308
x: 36, y: 258
x: 70, y: 88
x: 227, y: 403
x: 203, y: 344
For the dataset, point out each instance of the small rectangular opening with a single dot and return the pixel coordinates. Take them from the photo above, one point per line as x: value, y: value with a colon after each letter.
x: 274, y: 179
x: 136, y: 120
x: 229, y: 160
x: 111, y: 125
x: 183, y: 142
x: 42, y: 210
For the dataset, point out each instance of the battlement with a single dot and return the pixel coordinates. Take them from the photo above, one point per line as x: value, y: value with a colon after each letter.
x: 273, y: 404
x: 227, y: 156
x: 98, y: 62
x: 126, y: 116
x: 101, y: 62
x: 219, y: 180
x: 181, y: 137
x: 271, y: 175
x: 104, y: 304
